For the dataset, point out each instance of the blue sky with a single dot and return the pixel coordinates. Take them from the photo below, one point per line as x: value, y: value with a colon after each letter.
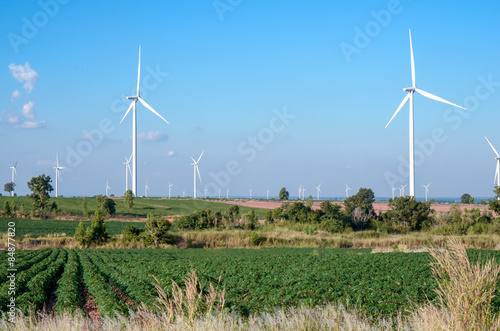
x: 277, y: 95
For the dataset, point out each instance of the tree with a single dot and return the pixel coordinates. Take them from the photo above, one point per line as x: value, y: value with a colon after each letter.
x: 98, y: 231
x: 364, y: 201
x: 284, y: 194
x: 85, y: 208
x: 465, y: 198
x: 106, y: 205
x: 410, y: 213
x: 40, y: 188
x: 250, y: 219
x: 6, y: 208
x: 80, y: 234
x: 130, y: 233
x: 9, y: 187
x: 128, y: 197
x: 157, y: 228
x: 309, y: 201
x: 495, y: 204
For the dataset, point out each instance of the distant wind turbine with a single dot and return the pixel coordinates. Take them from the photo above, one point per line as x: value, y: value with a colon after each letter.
x: 57, y: 167
x: 317, y: 191
x: 347, y: 188
x: 250, y: 194
x: 227, y: 193
x: 146, y: 188
x: 497, y: 171
x: 393, y: 189
x: 14, y: 174
x: 196, y: 170
x: 107, y: 188
x: 205, y: 193
x: 409, y: 96
x: 128, y: 171
x: 402, y: 190
x: 134, y: 124
x: 169, y: 189
x: 219, y: 192
x: 303, y: 193
x: 183, y: 193
x: 267, y: 194
x: 300, y: 191
x: 426, y: 190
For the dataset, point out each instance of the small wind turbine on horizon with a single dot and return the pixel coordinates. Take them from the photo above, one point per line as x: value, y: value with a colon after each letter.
x: 183, y: 193
x: 303, y: 193
x: 227, y: 193
x: 128, y: 171
x: 14, y: 174
x: 300, y: 191
x: 169, y: 189
x: 57, y: 167
x: 267, y: 194
x: 107, y: 188
x: 409, y: 96
x: 134, y: 124
x: 393, y: 189
x: 250, y: 194
x: 317, y: 191
x: 146, y: 188
x: 497, y: 171
x: 205, y: 193
x: 347, y: 188
x: 196, y: 170
x: 402, y: 190
x: 426, y: 190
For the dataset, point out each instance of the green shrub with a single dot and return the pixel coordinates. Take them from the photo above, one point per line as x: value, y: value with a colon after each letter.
x: 254, y: 238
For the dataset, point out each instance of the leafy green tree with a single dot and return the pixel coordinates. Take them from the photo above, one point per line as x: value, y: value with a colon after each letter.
x: 53, y: 207
x: 231, y: 215
x: 98, y: 231
x: 465, y: 198
x: 277, y: 214
x: 410, y: 213
x: 362, y: 203
x: 250, y: 220
x: 6, y: 208
x: 157, y: 228
x: 495, y: 203
x: 128, y: 197
x: 9, y: 187
x: 85, y: 208
x: 40, y: 188
x: 309, y: 201
x: 107, y: 206
x: 80, y: 234
x: 268, y: 218
x: 130, y: 233
x: 284, y: 195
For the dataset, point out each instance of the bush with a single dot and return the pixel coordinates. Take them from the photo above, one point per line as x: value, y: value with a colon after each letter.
x: 130, y: 233
x: 254, y: 238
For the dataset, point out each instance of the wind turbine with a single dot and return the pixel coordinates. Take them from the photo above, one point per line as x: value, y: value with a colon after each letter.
x: 227, y: 193
x: 497, y: 171
x: 347, y: 188
x: 14, y: 173
x: 393, y: 189
x: 57, y: 167
x: 409, y: 96
x: 219, y: 193
x: 183, y: 193
x: 250, y: 194
x: 196, y: 170
x: 402, y: 190
x: 134, y: 124
x: 107, y: 188
x: 303, y: 193
x: 146, y: 188
x: 169, y: 189
x: 267, y: 194
x: 127, y: 171
x: 205, y: 193
x: 317, y: 191
x: 300, y: 191
x: 426, y: 190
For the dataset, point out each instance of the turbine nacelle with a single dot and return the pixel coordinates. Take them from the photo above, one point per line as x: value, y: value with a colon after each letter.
x: 132, y: 97
x: 409, y: 89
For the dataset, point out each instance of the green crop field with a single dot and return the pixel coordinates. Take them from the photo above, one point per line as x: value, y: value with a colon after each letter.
x: 36, y: 228
x: 255, y: 279
x: 142, y: 206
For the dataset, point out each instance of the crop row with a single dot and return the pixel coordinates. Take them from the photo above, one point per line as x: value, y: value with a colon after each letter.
x: 22, y: 262
x: 68, y: 289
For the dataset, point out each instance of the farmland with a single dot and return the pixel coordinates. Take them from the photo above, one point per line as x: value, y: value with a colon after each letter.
x: 255, y: 280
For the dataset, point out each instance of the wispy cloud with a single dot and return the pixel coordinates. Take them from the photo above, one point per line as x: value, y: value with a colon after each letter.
x: 16, y: 94
x: 170, y: 153
x: 31, y: 125
x: 152, y: 136
x: 24, y: 74
x: 28, y: 111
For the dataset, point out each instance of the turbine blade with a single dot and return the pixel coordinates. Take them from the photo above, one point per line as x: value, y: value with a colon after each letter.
x: 434, y: 97
x: 200, y: 157
x: 412, y: 63
x: 494, y: 150
x: 139, y: 71
x: 128, y: 110
x: 194, y: 162
x: 405, y: 100
x: 198, y: 171
x: 151, y: 108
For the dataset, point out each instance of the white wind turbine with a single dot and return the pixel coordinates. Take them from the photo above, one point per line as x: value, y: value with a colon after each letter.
x: 205, y: 193
x: 347, y: 188
x: 14, y: 174
x: 107, y: 188
x: 497, y: 171
x: 134, y: 124
x: 128, y: 171
x: 227, y: 193
x: 267, y: 194
x: 146, y: 188
x: 426, y: 190
x: 196, y: 170
x: 169, y: 189
x: 402, y: 190
x: 409, y: 96
x: 250, y: 194
x: 183, y: 193
x: 300, y: 191
x: 393, y: 189
x: 57, y: 167
x: 317, y: 191
x: 303, y: 193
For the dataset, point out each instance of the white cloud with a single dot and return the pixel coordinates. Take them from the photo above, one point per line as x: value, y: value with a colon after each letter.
x: 24, y: 74
x: 170, y: 153
x: 152, y: 136
x: 31, y: 125
x: 16, y: 94
x: 28, y: 111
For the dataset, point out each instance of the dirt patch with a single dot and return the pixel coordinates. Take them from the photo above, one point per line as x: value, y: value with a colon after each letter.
x: 88, y: 304
x: 123, y: 297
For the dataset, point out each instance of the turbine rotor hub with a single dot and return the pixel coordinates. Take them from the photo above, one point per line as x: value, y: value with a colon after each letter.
x: 409, y: 89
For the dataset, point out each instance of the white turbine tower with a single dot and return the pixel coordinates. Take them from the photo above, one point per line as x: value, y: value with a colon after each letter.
x: 128, y: 171
x: 300, y: 191
x: 14, y: 174
x: 134, y: 124
x: 347, y: 188
x: 426, y: 190
x: 146, y: 188
x: 317, y: 191
x: 267, y: 194
x: 497, y: 171
x: 57, y: 167
x: 393, y: 189
x: 169, y: 189
x: 409, y: 96
x: 303, y: 193
x: 227, y: 193
x: 196, y: 170
x: 205, y: 193
x: 107, y: 188
x: 250, y: 194
x: 402, y: 190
